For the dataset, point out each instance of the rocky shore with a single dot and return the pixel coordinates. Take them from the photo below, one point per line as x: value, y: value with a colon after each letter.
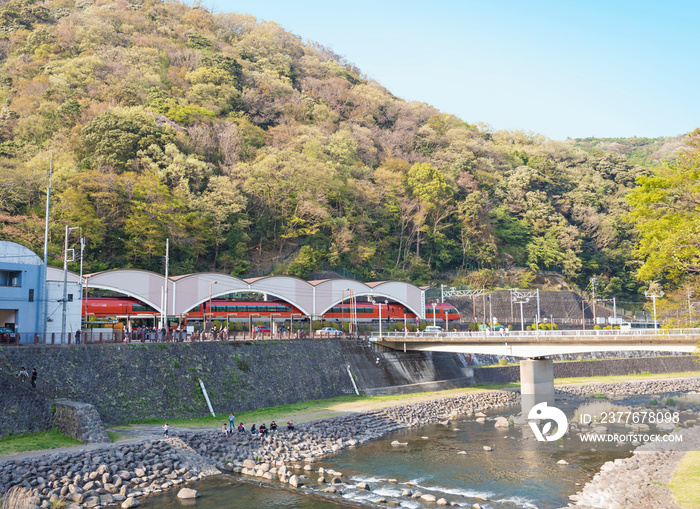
x: 638, y: 481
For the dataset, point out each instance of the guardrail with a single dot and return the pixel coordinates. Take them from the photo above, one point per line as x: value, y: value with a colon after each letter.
x: 540, y: 334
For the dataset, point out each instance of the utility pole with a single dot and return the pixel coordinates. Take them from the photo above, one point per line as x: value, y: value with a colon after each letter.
x: 593, y: 282
x: 167, y: 264
x: 82, y: 250
x: 65, y: 281
x: 45, y: 292
x: 490, y: 313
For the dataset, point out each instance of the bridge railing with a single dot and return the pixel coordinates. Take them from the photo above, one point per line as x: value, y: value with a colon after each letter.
x: 539, y: 334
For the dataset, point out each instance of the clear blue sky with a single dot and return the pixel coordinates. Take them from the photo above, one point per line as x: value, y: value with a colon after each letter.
x: 559, y: 68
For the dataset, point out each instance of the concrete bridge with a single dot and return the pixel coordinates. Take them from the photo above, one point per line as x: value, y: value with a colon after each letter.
x: 536, y: 371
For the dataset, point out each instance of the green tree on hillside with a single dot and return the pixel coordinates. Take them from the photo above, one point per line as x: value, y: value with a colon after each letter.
x: 665, y: 211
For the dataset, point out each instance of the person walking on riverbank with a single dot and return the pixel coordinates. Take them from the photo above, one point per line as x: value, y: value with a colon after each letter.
x: 166, y: 430
x: 231, y: 421
x: 34, y: 377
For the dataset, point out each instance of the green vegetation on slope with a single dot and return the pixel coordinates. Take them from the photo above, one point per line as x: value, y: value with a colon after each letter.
x: 240, y: 142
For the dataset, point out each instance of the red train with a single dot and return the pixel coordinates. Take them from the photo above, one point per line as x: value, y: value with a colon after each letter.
x: 128, y: 308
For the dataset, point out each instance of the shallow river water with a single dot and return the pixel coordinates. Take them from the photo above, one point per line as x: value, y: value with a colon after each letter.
x: 518, y: 472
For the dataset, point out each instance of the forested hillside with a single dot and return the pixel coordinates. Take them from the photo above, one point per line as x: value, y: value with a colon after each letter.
x: 649, y: 152
x: 239, y: 141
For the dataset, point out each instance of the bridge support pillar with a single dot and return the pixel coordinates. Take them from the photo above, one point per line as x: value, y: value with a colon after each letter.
x: 536, y: 383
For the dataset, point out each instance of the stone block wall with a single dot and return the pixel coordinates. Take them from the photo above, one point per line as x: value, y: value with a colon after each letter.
x: 22, y: 409
x: 135, y: 382
x: 80, y: 421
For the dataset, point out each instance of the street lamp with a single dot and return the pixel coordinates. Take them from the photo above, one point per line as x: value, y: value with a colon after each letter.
x: 210, y: 311
x: 653, y: 297
x: 519, y: 297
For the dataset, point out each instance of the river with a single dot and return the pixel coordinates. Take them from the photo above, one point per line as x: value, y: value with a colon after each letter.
x: 446, y: 460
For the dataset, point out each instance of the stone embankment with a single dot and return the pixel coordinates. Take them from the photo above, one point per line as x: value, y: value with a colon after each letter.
x: 113, y: 475
x: 648, y: 387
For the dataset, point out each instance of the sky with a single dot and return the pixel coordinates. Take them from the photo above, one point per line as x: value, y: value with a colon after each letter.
x: 562, y: 69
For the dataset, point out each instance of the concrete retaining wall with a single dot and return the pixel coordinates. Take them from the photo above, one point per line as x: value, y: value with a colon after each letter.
x: 391, y: 372
x: 608, y: 367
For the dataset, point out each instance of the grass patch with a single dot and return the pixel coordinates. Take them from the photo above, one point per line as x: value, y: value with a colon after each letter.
x: 686, y: 480
x: 36, y: 441
x: 115, y: 436
x: 317, y: 409
x: 261, y: 415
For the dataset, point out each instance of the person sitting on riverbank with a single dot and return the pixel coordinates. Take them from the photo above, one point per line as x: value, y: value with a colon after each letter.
x: 290, y: 425
x: 241, y: 428
x: 253, y: 431
x: 23, y: 374
x: 263, y: 429
x: 225, y: 431
x: 273, y: 426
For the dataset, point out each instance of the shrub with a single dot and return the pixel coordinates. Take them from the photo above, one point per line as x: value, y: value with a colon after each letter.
x: 503, y: 362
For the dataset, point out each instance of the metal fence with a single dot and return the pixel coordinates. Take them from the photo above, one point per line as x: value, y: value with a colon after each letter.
x: 89, y: 337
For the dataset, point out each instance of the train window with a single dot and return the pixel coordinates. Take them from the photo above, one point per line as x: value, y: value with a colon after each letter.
x: 141, y: 307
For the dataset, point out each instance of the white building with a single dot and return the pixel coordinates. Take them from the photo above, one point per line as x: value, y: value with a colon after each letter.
x: 74, y: 304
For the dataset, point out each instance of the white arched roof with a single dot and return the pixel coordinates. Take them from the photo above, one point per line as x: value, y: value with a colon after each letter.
x: 141, y: 284
x: 11, y: 252
x: 313, y: 298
